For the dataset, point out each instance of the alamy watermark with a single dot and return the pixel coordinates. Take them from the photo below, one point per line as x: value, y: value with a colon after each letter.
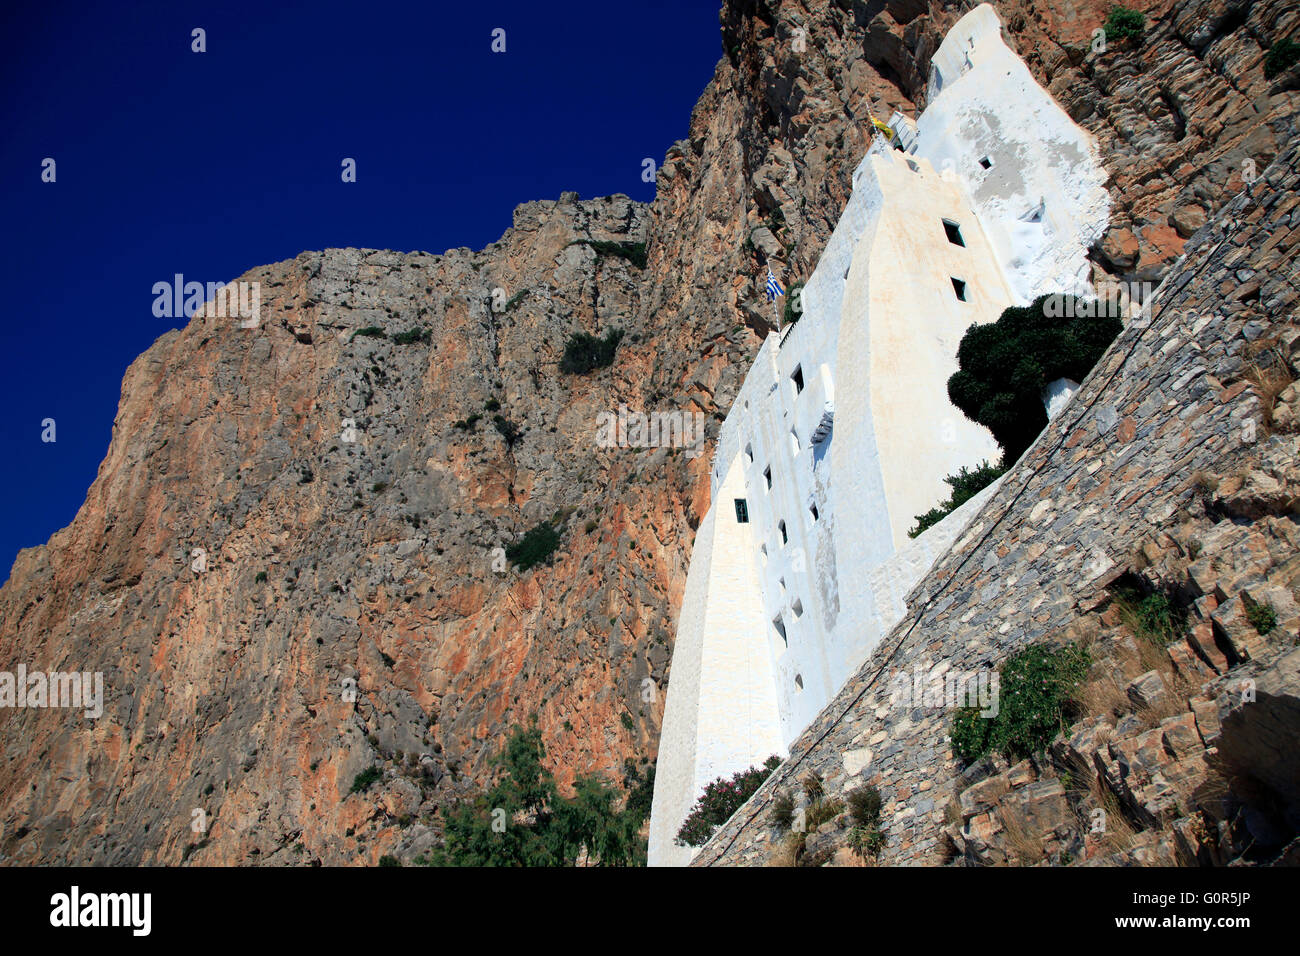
x: 1129, y: 300
x: 53, y: 689
x: 178, y: 299
x: 677, y: 429
x: 939, y: 687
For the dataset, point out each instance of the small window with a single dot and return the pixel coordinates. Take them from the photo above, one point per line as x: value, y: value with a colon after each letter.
x: 798, y: 682
x: 767, y: 476
x: 785, y: 538
x: 954, y: 232
x: 959, y: 286
x: 762, y: 553
x: 813, y: 508
x: 794, y: 441
x: 797, y: 609
x: 986, y: 162
x: 913, y: 167
x: 742, y: 511
x: 797, y: 378
x: 779, y: 626
x: 749, y: 453
x: 781, y: 581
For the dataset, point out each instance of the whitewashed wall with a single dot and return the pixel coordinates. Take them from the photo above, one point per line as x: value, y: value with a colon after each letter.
x: 721, y: 714
x: 876, y: 344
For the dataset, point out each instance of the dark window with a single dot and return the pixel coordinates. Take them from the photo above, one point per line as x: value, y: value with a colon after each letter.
x: 767, y: 476
x: 784, y: 537
x: 954, y: 232
x: 742, y: 511
x: 959, y: 287
x: 813, y: 509
x: 798, y: 682
x: 797, y: 378
x: 913, y: 167
x: 986, y: 162
x: 779, y: 625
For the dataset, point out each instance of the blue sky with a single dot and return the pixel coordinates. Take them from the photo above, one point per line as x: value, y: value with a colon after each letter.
x: 208, y: 164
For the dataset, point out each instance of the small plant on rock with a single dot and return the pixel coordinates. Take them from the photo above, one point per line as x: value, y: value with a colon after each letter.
x: 1125, y: 25
x: 1262, y: 617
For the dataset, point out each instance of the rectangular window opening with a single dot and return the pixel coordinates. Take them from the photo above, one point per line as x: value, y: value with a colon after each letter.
x: 742, y: 511
x: 797, y: 378
x: 954, y: 232
x: 959, y: 286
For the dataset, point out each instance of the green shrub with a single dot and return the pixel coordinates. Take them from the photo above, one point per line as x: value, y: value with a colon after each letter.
x: 370, y: 331
x: 543, y: 828
x: 1261, y: 616
x: 411, y: 336
x: 379, y: 487
x: 1004, y: 365
x: 584, y: 352
x: 508, y: 429
x: 1124, y: 24
x: 492, y: 405
x: 260, y: 578
x: 467, y: 424
x: 720, y: 800
x: 1035, y: 702
x: 362, y: 781
x: 966, y: 484
x: 793, y: 304
x: 633, y: 252
x: 783, y: 811
x: 864, y: 806
x: 1282, y: 55
x: 388, y: 860
x: 1152, y: 617
x: 534, y: 547
x: 626, y: 719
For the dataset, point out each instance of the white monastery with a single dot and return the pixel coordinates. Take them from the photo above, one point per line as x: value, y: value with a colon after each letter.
x: 842, y: 432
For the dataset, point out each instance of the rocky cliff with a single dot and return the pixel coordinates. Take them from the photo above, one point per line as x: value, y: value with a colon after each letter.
x: 330, y: 560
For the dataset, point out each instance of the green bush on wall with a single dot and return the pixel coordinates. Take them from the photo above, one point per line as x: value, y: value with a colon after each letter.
x: 1004, y: 366
x: 1035, y: 701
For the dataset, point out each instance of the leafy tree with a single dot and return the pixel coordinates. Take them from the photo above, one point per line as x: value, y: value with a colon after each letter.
x: 1004, y: 365
x: 522, y: 820
x: 966, y: 484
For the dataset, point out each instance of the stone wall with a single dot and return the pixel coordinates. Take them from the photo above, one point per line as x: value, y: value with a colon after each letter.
x: 1169, y: 402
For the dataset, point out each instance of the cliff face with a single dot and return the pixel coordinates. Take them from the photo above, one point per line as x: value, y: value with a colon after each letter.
x: 224, y: 689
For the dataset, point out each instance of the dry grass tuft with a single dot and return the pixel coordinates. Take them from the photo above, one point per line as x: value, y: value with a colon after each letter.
x: 1269, y: 374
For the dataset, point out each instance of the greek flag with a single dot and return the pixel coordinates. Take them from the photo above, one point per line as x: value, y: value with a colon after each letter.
x: 773, y: 287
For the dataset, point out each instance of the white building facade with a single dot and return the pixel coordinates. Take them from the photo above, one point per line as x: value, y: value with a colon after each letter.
x: 842, y: 432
